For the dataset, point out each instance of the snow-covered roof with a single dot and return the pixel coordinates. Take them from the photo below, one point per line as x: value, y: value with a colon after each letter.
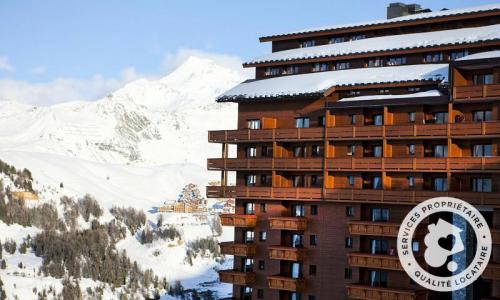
x: 387, y: 43
x: 316, y: 83
x: 482, y: 55
x: 429, y: 15
x: 431, y: 93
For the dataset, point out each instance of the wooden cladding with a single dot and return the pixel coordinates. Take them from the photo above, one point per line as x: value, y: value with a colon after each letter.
x: 377, y: 261
x: 476, y: 91
x: 238, y: 220
x: 286, y: 283
x: 355, y: 132
x: 495, y: 236
x: 374, y: 228
x: 237, y: 277
x: 288, y: 223
x: 356, y: 291
x: 393, y: 164
x: 492, y: 271
x: 231, y: 248
x: 287, y: 253
x: 221, y: 191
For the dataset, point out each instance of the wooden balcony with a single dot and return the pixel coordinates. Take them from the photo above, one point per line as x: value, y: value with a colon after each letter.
x: 492, y: 271
x: 247, y: 221
x: 286, y: 283
x: 287, y: 253
x: 288, y: 223
x: 377, y: 261
x: 231, y: 248
x: 476, y: 91
x: 278, y: 193
x: 374, y: 228
x: 237, y: 277
x: 221, y: 191
x: 495, y: 236
x: 358, y: 291
x: 234, y: 164
x: 475, y: 128
x: 262, y: 135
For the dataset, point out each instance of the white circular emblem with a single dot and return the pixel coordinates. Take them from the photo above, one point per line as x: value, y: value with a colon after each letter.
x: 435, y: 255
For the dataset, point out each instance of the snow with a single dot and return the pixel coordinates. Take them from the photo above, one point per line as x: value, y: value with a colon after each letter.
x: 387, y: 43
x: 420, y: 16
x: 431, y: 93
x: 482, y: 55
x: 313, y: 83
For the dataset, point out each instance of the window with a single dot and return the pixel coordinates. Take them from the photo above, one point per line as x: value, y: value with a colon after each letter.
x: 353, y: 119
x: 377, y: 151
x: 317, y: 150
x: 380, y: 214
x: 411, y: 149
x: 377, y: 183
x: 291, y: 70
x: 441, y: 117
x: 316, y: 181
x: 379, y: 246
x: 253, y: 124
x: 312, y: 270
x: 383, y: 91
x: 378, y: 278
x: 348, y: 242
x: 440, y: 151
x: 294, y: 296
x: 481, y: 185
x: 396, y: 61
x: 482, y: 150
x: 433, y: 57
x: 349, y: 211
x: 351, y: 149
x: 320, y: 67
x: 251, y: 152
x: 354, y: 93
x: 267, y: 151
x: 302, y: 123
x: 375, y: 62
x: 482, y: 79
x: 415, y: 246
x: 262, y: 265
x: 299, y: 151
x: 411, y: 181
x: 321, y: 121
x: 482, y: 115
x: 413, y: 89
x: 249, y: 236
x: 272, y: 71
x: 358, y: 37
x: 296, y: 270
x: 336, y: 40
x: 297, y: 240
x: 265, y: 180
x: 262, y: 236
x: 458, y: 54
x: 249, y: 208
x: 440, y: 184
x: 347, y: 273
x: 412, y: 117
x: 298, y: 180
x: 251, y: 180
x: 263, y: 207
x: 248, y: 262
x: 298, y: 210
x: 313, y: 240
x: 342, y: 65
x: 378, y: 120
x: 311, y: 297
x: 350, y: 180
x: 306, y: 44
x: 260, y: 294
x: 314, y: 210
x: 247, y: 291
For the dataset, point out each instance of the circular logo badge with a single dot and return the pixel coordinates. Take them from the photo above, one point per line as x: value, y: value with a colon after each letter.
x: 444, y: 240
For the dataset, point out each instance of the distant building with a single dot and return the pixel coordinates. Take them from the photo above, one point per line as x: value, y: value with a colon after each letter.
x: 182, y: 207
x: 24, y: 196
x: 398, y: 9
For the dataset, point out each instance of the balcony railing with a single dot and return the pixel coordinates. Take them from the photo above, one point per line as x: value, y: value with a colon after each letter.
x: 377, y: 261
x: 355, y: 132
x: 374, y: 228
x: 221, y: 191
x: 237, y: 277
x: 287, y: 253
x: 286, y: 283
x: 231, y: 248
x: 288, y: 223
x: 311, y: 163
x: 247, y: 221
x: 492, y: 271
x: 358, y: 291
x: 476, y: 91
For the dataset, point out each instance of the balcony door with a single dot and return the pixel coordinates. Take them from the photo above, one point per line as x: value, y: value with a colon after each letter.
x: 296, y: 270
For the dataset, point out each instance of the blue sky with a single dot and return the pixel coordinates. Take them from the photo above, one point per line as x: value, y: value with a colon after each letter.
x: 114, y: 41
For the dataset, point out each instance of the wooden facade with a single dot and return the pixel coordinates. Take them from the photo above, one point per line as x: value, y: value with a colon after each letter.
x: 318, y: 208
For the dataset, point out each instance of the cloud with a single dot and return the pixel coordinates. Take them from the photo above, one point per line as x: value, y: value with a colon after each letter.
x: 5, y: 65
x: 38, y: 70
